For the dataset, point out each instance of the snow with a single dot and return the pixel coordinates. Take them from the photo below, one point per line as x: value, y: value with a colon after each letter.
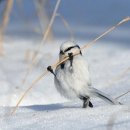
x: 44, y: 108
x: 109, y: 62
x: 61, y: 116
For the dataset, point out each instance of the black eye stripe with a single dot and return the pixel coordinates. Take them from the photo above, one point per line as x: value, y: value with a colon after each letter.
x: 68, y: 49
x: 71, y: 48
x: 63, y: 52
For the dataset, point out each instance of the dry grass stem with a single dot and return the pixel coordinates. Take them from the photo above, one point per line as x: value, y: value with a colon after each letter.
x: 31, y: 86
x: 106, y: 32
x: 67, y: 26
x: 123, y: 94
x: 41, y: 13
x: 5, y: 20
x: 58, y: 63
x: 30, y: 67
x: 117, y: 78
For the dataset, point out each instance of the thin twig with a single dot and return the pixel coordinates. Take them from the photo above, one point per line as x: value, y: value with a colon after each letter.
x: 48, y: 29
x: 42, y: 15
x: 30, y: 67
x: 117, y: 78
x: 58, y: 63
x: 5, y: 20
x: 106, y: 32
x: 123, y: 94
x: 31, y: 86
x: 67, y: 26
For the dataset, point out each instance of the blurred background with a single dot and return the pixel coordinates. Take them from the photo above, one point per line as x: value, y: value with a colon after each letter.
x: 27, y: 25
x: 74, y: 20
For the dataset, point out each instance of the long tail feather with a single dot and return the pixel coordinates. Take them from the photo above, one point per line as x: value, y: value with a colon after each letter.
x: 104, y: 97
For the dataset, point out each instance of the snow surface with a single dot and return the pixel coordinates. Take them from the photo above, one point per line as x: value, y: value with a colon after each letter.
x: 44, y: 108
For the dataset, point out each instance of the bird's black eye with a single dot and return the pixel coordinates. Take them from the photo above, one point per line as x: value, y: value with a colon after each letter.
x: 61, y: 52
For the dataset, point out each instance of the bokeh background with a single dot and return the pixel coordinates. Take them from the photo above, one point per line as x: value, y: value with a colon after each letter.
x: 25, y: 38
x: 84, y: 19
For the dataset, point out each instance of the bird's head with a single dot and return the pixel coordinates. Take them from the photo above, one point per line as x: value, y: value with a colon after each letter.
x: 68, y: 47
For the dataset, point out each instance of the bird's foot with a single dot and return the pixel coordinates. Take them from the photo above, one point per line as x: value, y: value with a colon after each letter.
x: 90, y: 104
x: 70, y: 58
x: 85, y: 105
x: 49, y: 68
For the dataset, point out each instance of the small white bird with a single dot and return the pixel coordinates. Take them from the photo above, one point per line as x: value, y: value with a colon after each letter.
x: 72, y: 76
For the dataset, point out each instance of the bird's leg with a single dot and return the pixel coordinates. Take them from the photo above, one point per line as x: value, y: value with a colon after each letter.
x: 90, y: 104
x: 86, y: 102
x: 70, y: 58
x: 49, y: 68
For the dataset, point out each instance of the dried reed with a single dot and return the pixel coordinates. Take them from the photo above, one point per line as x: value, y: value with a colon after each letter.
x: 66, y: 24
x: 58, y: 63
x: 118, y: 77
x: 42, y: 16
x: 30, y: 67
x: 5, y: 20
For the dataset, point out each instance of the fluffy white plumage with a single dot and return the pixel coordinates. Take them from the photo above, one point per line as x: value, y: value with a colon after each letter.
x: 72, y: 78
x: 74, y: 81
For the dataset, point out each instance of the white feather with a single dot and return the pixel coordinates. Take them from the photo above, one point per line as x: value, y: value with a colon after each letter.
x: 74, y: 81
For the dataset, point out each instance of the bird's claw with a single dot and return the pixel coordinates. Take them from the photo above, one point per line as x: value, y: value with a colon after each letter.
x: 49, y: 68
x: 70, y: 55
x: 70, y: 58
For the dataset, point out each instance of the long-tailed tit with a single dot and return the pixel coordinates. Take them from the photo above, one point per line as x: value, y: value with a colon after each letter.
x: 72, y: 78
